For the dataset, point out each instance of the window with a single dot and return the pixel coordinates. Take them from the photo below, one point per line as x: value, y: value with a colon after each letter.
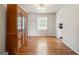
x: 19, y: 23
x: 42, y: 23
x: 23, y: 23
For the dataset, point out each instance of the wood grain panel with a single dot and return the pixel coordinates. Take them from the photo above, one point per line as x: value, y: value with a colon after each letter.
x: 11, y: 44
x: 11, y: 19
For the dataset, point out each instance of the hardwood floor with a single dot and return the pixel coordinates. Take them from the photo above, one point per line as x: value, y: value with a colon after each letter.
x: 44, y: 46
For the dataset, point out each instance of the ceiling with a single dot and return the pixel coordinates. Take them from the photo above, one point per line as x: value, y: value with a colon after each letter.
x: 33, y: 8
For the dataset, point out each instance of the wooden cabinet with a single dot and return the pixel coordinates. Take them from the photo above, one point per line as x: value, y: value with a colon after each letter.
x: 16, y: 28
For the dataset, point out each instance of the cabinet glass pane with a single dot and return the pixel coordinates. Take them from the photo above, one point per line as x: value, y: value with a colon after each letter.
x: 19, y: 23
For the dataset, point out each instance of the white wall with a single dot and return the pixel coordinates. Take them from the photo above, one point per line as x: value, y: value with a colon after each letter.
x: 32, y: 25
x: 70, y: 20
x: 2, y: 28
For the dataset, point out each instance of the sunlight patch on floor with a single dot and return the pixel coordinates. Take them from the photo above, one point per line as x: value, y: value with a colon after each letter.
x: 42, y: 47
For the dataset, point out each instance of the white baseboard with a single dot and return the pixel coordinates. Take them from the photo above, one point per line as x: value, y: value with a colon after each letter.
x: 3, y: 53
x: 70, y: 47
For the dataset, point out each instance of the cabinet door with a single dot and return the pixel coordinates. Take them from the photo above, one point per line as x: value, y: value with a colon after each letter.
x: 23, y: 28
x: 19, y: 30
x: 26, y: 26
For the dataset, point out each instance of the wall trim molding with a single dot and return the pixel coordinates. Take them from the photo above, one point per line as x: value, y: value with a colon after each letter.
x: 70, y: 47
